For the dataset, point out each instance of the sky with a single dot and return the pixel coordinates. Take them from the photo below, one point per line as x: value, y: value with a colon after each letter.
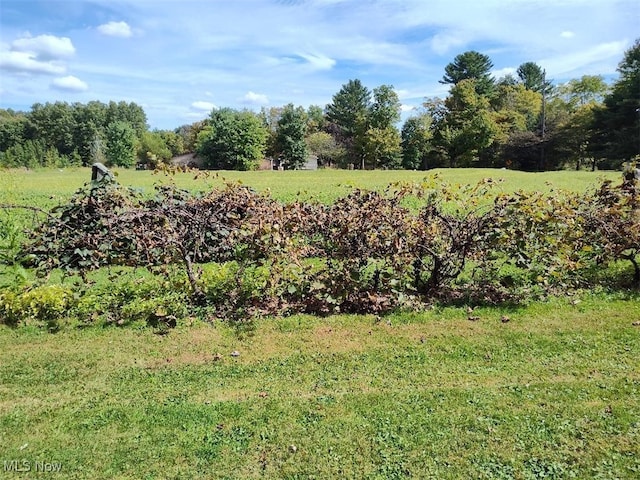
x: 179, y: 59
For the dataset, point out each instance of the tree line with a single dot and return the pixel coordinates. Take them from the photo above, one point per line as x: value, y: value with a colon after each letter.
x: 62, y: 134
x: 520, y: 121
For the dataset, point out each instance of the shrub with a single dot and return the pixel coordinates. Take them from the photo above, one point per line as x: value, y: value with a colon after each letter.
x: 239, y: 254
x: 45, y: 304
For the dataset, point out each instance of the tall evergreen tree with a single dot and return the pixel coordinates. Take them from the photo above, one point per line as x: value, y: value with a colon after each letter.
x: 349, y: 114
x: 618, y: 124
x: 471, y: 65
x: 533, y: 78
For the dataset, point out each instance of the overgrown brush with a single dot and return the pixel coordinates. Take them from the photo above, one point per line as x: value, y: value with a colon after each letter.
x: 243, y: 254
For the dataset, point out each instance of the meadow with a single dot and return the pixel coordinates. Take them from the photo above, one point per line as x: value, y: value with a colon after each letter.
x: 536, y: 390
x: 48, y: 187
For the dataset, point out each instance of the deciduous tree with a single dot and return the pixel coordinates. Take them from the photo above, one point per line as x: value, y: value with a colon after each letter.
x: 416, y: 142
x: 290, y: 137
x: 325, y: 147
x: 586, y: 89
x: 121, y: 145
x: 382, y: 148
x: 232, y: 140
x: 384, y: 111
x: 468, y: 127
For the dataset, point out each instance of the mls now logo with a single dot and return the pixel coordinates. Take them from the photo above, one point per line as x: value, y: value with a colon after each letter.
x: 17, y: 465
x: 27, y: 466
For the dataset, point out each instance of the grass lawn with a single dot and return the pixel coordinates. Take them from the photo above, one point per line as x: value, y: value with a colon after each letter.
x: 553, y: 393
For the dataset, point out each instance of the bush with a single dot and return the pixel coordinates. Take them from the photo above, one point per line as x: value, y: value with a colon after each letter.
x: 46, y: 305
x: 239, y: 254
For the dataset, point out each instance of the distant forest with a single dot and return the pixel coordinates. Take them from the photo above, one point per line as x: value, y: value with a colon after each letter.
x: 521, y: 121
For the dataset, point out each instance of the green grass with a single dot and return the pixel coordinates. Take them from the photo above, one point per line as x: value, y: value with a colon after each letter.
x: 48, y: 187
x: 553, y: 393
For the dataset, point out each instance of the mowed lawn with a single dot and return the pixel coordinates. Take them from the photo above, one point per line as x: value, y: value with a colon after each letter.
x: 545, y: 390
x: 552, y: 393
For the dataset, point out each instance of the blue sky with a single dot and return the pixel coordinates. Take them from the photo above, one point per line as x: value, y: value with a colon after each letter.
x: 178, y: 59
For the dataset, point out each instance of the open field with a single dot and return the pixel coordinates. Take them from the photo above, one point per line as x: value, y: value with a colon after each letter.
x: 553, y: 393
x: 48, y: 187
x: 541, y: 390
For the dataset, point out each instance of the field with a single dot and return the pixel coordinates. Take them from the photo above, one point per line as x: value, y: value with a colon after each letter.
x: 49, y: 187
x: 540, y: 390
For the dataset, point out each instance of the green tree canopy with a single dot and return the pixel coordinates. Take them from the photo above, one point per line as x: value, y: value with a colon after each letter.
x: 12, y: 128
x: 586, y: 89
x: 471, y: 65
x: 316, y: 120
x: 153, y: 150
x: 54, y: 125
x: 468, y: 126
x: 618, y: 124
x: 533, y: 78
x: 325, y: 147
x: 232, y: 140
x: 382, y: 148
x: 130, y: 113
x: 416, y: 142
x: 121, y: 145
x: 384, y: 111
x: 290, y: 137
x: 349, y: 112
x: 517, y: 108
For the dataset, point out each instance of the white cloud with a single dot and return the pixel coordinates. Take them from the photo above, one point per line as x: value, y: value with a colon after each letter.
x: 23, y: 62
x: 255, y: 98
x: 443, y: 43
x: 44, y: 47
x: 69, y: 84
x: 503, y: 72
x: 116, y: 29
x: 604, y: 55
x: 204, y: 106
x: 407, y: 108
x: 39, y: 55
x: 319, y: 62
x: 567, y: 34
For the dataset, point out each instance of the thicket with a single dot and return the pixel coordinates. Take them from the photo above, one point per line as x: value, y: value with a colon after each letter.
x: 236, y: 254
